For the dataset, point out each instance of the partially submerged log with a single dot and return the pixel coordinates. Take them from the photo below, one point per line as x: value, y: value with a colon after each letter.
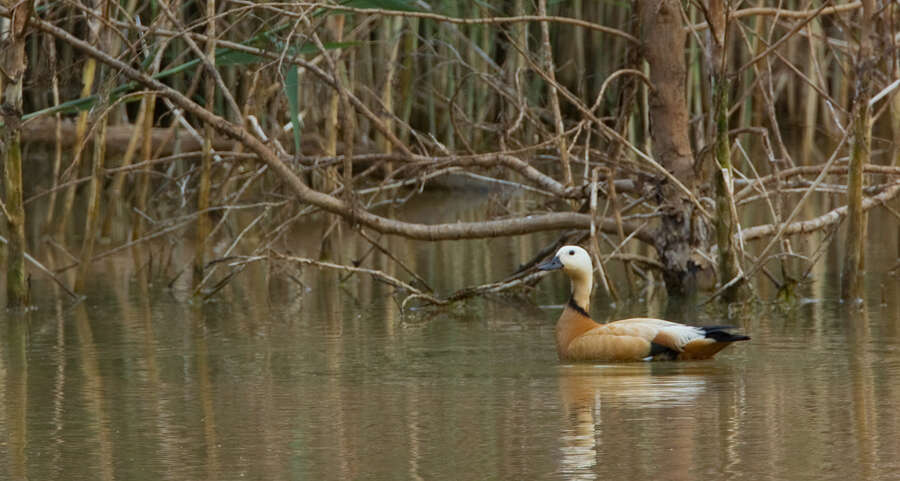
x: 43, y: 130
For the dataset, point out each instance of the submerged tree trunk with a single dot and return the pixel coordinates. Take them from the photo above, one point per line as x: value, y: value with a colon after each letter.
x: 203, y: 219
x: 663, y: 38
x: 851, y: 281
x: 100, y: 36
x: 725, y: 219
x: 95, y: 192
x: 14, y: 63
x: 88, y: 72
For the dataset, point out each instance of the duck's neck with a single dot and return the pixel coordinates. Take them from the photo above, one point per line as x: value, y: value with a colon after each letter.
x: 582, y: 283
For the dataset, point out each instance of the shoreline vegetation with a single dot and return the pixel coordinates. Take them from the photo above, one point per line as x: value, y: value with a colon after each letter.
x: 691, y: 143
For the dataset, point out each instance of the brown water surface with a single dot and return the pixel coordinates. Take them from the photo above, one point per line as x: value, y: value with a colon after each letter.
x: 274, y: 381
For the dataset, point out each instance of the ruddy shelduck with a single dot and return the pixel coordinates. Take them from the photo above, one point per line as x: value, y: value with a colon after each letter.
x: 579, y: 338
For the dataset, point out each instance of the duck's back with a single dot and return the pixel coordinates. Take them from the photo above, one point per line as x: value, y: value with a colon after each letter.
x: 581, y: 339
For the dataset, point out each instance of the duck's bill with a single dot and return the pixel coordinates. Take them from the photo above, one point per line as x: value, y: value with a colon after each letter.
x: 551, y: 265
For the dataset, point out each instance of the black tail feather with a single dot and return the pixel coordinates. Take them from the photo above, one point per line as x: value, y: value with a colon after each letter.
x: 721, y: 334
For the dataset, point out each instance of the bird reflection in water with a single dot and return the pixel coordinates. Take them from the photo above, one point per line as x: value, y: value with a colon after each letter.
x: 627, y: 391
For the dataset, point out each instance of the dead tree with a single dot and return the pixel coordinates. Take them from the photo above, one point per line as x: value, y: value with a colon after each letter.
x: 14, y: 63
x: 682, y: 227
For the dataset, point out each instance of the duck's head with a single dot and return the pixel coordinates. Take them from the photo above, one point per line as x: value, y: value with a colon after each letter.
x: 576, y: 263
x: 573, y: 260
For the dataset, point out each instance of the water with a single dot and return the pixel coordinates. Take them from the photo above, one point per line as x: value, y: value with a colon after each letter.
x: 327, y: 380
x: 137, y: 383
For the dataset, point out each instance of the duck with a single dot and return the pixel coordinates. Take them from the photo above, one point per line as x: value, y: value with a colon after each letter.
x: 580, y: 338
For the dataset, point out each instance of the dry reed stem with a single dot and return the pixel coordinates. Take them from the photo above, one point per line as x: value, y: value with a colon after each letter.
x: 784, y: 38
x: 617, y: 215
x: 57, y: 133
x: 610, y: 133
x: 608, y: 287
x: 208, y: 59
x: 550, y: 71
x: 780, y: 229
x: 221, y: 223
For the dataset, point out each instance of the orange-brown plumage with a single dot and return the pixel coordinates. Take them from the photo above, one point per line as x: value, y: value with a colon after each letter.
x: 579, y: 338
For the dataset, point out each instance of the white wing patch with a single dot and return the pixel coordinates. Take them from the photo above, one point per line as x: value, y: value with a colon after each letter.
x: 681, y: 334
x: 677, y: 335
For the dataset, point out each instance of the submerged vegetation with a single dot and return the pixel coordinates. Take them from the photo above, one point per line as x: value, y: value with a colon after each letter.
x: 693, y: 128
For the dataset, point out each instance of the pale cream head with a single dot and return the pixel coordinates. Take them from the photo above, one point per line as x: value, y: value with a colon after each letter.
x: 576, y: 262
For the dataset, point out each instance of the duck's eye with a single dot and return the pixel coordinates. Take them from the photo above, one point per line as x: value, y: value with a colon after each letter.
x: 572, y: 253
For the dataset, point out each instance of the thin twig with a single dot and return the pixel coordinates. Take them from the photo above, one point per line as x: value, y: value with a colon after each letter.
x: 455, y: 20
x: 46, y: 271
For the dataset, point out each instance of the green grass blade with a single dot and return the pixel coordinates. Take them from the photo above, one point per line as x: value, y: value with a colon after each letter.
x: 291, y: 87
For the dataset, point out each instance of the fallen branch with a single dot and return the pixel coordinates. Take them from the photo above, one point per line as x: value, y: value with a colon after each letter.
x: 818, y: 223
x: 388, y: 279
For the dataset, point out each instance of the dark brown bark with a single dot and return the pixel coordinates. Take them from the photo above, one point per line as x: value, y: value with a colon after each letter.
x: 663, y: 40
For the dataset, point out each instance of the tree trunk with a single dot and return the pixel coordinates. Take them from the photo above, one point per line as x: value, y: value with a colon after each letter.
x: 725, y: 219
x: 88, y: 72
x: 203, y: 219
x: 14, y: 63
x: 662, y: 39
x: 851, y: 281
